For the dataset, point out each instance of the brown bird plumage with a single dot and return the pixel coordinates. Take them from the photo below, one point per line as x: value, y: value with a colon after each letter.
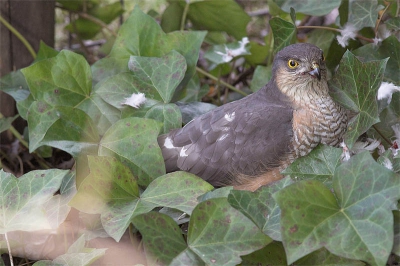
x: 247, y: 143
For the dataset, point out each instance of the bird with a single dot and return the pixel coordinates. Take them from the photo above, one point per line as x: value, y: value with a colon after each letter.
x: 247, y: 143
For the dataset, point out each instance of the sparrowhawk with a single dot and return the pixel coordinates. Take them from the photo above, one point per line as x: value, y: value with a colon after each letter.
x: 247, y: 143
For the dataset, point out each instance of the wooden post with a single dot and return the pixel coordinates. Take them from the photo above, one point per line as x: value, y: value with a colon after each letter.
x: 35, y: 21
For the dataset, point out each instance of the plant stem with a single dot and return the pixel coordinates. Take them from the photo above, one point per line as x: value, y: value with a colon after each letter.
x: 19, y: 36
x: 184, y: 14
x: 380, y: 18
x: 319, y: 27
x: 220, y: 81
x: 9, y: 249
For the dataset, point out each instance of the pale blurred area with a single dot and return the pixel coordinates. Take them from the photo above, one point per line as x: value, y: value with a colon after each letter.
x: 49, y: 244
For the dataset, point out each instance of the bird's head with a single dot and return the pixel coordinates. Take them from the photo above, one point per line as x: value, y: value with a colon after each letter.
x: 300, y: 69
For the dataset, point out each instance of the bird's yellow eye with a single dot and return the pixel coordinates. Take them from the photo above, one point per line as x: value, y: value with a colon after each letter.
x: 323, y: 57
x: 292, y: 63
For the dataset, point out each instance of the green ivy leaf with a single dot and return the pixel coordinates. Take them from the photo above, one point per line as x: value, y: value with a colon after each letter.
x: 308, y: 7
x: 363, y: 13
x: 63, y: 127
x: 178, y: 190
x: 100, y: 111
x: 171, y: 17
x: 219, y: 234
x: 194, y: 91
x: 45, y: 52
x: 162, y: 237
x: 141, y: 35
x: 14, y: 84
x: 283, y: 33
x: 261, y: 77
x: 134, y: 142
x: 217, y: 16
x: 260, y: 207
x: 355, y: 86
x: 187, y: 257
x: 28, y: 196
x: 320, y: 165
x: 322, y: 38
x: 61, y: 80
x: 108, y: 180
x: 357, y: 223
x: 162, y: 75
x: 272, y: 254
x: 5, y: 122
x: 390, y: 48
x: 222, y: 192
x: 324, y: 257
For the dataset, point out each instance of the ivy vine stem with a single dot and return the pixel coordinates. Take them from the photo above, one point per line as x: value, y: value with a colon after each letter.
x: 185, y: 11
x: 19, y: 36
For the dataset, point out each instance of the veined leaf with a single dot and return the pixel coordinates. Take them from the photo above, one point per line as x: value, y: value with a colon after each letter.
x: 357, y: 223
x: 355, y: 86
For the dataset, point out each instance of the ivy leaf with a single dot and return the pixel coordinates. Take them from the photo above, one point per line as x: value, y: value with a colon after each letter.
x: 346, y: 224
x: 162, y: 75
x: 178, y: 190
x: 194, y: 91
x: 308, y: 7
x: 61, y: 80
x: 171, y: 17
x: 219, y: 234
x: 100, y: 111
x: 363, y: 13
x: 355, y: 86
x: 161, y: 236
x: 320, y: 165
x: 322, y: 38
x: 187, y: 257
x: 217, y: 16
x: 222, y: 192
x: 5, y: 122
x: 77, y: 254
x: 261, y: 77
x: 389, y: 48
x: 108, y: 179
x: 45, y: 52
x: 260, y: 207
x: 272, y: 254
x: 140, y: 35
x: 111, y: 190
x: 27, y: 196
x: 324, y: 257
x: 63, y: 127
x: 283, y: 33
x: 14, y: 84
x: 133, y: 141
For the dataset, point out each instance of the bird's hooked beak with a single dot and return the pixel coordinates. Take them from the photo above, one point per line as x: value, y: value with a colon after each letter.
x: 316, y: 71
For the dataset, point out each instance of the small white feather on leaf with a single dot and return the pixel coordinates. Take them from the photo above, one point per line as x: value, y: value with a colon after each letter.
x: 386, y: 90
x: 135, y: 100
